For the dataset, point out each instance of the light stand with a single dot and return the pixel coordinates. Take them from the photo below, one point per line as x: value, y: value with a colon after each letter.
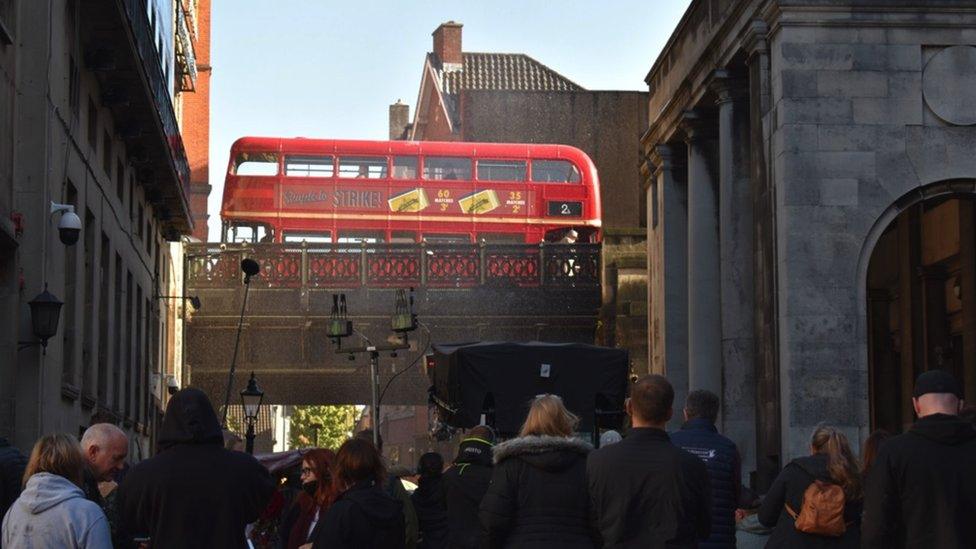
x: 404, y: 320
x: 250, y: 268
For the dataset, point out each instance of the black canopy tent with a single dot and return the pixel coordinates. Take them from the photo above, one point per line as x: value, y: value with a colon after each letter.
x: 498, y: 379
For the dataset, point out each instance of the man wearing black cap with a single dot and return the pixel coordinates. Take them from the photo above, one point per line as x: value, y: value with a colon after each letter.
x: 921, y: 491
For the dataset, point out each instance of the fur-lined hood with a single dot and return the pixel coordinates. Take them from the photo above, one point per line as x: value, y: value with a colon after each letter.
x: 543, y: 451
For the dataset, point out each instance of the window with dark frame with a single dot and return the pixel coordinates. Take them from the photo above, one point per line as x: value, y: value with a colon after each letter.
x: 92, y: 124
x: 120, y: 181
x: 74, y: 87
x: 107, y: 154
x: 7, y: 15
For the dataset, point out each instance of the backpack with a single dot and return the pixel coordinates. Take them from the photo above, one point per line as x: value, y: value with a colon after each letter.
x: 822, y: 511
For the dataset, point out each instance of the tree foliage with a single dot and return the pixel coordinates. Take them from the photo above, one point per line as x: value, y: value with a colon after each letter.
x: 332, y: 424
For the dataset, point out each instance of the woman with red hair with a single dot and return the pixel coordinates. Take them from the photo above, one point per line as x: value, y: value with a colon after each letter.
x: 311, y: 504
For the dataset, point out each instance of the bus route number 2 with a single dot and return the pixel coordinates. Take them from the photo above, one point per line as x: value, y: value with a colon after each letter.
x: 566, y: 209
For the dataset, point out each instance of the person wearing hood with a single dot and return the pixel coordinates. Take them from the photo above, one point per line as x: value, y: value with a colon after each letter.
x: 194, y: 492
x: 429, y: 502
x: 465, y: 484
x: 538, y: 492
x: 831, y: 462
x: 53, y: 511
x: 921, y: 489
x: 364, y: 515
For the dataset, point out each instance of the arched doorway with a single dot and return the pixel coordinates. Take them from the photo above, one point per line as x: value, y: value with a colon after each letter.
x: 921, y: 302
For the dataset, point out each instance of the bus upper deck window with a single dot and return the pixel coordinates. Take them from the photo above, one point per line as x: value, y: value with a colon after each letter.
x: 362, y: 167
x: 309, y: 166
x: 256, y: 163
x: 404, y: 167
x: 447, y: 168
x: 555, y: 171
x: 251, y: 233
x: 501, y: 170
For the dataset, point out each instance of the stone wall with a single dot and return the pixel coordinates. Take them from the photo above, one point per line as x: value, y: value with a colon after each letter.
x: 851, y: 113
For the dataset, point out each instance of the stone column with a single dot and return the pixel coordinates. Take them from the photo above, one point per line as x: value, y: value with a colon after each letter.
x: 704, y: 287
x: 768, y: 409
x: 736, y: 244
x: 668, y: 200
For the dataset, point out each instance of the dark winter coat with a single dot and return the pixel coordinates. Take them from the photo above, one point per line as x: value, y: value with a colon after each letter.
x: 648, y: 493
x: 789, y: 487
x: 364, y: 517
x: 465, y: 484
x: 194, y: 493
x: 921, y: 491
x: 12, y: 465
x: 429, y: 503
x: 537, y: 496
x: 700, y: 438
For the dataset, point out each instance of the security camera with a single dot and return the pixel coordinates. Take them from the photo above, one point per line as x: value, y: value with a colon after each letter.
x: 69, y: 228
x: 171, y: 386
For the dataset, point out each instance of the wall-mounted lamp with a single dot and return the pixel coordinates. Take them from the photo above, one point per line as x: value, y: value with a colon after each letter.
x: 45, y: 314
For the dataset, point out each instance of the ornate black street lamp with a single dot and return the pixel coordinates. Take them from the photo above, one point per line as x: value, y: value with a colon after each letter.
x: 45, y: 314
x: 251, y: 398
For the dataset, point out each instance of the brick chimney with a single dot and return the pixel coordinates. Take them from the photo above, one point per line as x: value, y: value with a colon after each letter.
x: 399, y: 120
x: 447, y: 44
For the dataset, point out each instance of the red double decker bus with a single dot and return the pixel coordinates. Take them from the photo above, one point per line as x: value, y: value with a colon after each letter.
x: 322, y: 190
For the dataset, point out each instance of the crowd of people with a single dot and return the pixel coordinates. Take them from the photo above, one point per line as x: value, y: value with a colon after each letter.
x: 544, y: 488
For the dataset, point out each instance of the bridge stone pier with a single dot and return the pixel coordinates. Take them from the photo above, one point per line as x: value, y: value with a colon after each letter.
x: 468, y: 292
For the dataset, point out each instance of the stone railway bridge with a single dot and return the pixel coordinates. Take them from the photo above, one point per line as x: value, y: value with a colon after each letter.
x: 466, y: 292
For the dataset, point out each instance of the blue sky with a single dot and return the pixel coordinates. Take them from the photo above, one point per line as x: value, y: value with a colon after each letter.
x: 318, y: 68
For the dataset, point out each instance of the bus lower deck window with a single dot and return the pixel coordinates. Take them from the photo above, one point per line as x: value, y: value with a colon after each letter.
x: 312, y: 237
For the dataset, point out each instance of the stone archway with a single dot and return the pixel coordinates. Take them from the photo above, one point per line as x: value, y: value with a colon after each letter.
x: 918, y: 307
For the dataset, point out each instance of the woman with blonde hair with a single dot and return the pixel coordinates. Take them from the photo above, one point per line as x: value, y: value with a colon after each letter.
x: 832, y: 463
x: 52, y: 511
x: 538, y: 494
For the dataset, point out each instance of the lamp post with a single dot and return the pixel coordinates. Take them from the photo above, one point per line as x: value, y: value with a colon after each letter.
x: 251, y: 398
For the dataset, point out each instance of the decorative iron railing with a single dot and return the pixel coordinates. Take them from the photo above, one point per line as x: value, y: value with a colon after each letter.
x: 397, y: 265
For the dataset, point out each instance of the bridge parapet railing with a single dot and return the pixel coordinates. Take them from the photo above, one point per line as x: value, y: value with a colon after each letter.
x: 381, y: 265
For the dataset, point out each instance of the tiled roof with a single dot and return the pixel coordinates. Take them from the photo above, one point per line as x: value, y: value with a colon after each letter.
x: 501, y: 71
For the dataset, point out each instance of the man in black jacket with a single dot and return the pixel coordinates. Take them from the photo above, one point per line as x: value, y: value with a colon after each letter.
x: 465, y: 485
x: 644, y: 491
x: 921, y: 491
x: 700, y: 437
x: 194, y: 493
x: 12, y: 464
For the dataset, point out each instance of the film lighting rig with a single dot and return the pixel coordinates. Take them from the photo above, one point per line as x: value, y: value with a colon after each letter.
x: 403, y: 321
